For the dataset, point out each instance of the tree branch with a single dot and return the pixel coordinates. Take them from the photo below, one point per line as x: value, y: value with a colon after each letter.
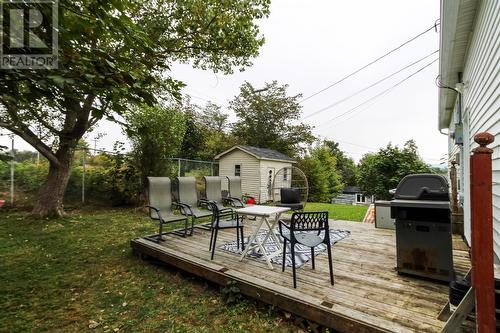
x: 27, y: 135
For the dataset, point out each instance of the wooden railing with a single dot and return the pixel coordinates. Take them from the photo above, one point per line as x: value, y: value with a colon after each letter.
x: 482, y: 233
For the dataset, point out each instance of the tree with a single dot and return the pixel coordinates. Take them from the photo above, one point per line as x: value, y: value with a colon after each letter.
x: 156, y: 134
x: 114, y: 55
x: 266, y: 119
x: 379, y: 172
x: 345, y: 165
x: 4, y: 156
x: 319, y: 165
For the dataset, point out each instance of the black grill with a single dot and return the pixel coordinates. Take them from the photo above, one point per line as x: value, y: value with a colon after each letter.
x: 421, y: 209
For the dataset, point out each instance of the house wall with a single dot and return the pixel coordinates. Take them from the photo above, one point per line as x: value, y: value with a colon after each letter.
x: 265, y: 165
x: 250, y: 170
x: 481, y: 107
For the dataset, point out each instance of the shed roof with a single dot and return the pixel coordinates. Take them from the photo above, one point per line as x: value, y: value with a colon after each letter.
x: 352, y: 189
x: 259, y: 153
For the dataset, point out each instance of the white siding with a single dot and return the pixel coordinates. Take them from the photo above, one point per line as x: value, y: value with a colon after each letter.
x: 481, y: 104
x: 250, y: 171
x: 264, y: 167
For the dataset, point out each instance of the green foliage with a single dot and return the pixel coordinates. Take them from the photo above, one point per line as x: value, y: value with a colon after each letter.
x: 207, y: 132
x: 345, y: 165
x: 114, y: 56
x: 379, y: 172
x: 156, y: 134
x: 322, y: 175
x: 266, y: 118
x: 4, y: 156
x: 231, y: 293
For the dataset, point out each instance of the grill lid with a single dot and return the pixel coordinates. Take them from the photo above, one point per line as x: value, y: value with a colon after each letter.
x: 422, y: 187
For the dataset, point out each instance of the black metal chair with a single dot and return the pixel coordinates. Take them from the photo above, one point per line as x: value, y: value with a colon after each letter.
x: 217, y: 224
x: 309, y: 229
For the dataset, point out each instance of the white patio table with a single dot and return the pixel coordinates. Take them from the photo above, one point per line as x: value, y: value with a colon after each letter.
x: 269, y: 216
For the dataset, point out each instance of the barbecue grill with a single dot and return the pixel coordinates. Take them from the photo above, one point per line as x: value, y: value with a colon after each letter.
x: 421, y: 208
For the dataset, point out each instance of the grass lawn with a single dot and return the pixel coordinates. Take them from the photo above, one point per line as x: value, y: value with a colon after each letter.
x: 339, y: 212
x: 62, y: 275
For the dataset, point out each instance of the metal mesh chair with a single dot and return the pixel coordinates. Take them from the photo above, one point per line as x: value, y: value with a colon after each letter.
x: 161, y: 206
x: 236, y: 197
x: 188, y: 197
x: 309, y: 229
x: 213, y: 193
x: 218, y: 224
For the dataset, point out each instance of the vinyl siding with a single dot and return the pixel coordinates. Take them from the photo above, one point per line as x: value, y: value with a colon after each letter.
x: 481, y: 104
x: 250, y: 170
x: 264, y: 167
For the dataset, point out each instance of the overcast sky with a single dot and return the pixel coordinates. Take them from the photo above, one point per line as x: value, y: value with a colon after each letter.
x: 310, y: 44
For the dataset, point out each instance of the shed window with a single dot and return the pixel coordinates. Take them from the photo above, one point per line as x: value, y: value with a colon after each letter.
x: 285, y: 174
x: 237, y: 170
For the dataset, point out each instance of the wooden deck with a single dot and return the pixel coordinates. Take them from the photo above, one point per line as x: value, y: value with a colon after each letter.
x: 368, y: 296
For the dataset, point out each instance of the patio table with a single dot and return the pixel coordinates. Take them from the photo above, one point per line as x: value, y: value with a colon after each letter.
x: 264, y: 215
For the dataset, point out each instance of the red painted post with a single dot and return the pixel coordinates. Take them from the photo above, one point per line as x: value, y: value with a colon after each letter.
x: 482, y: 233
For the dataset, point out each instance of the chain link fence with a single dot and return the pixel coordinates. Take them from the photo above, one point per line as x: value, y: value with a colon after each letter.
x: 97, y: 177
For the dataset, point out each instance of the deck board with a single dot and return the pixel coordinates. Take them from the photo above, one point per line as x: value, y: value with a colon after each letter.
x: 368, y: 295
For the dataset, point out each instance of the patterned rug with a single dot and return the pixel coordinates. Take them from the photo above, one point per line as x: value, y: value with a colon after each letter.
x: 302, y: 253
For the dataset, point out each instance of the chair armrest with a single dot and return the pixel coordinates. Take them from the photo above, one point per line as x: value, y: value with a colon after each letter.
x: 282, y: 225
x: 156, y: 210
x: 183, y: 208
x: 203, y: 202
x: 235, y: 202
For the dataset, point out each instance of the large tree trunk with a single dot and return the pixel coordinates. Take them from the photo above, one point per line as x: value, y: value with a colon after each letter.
x: 50, y: 197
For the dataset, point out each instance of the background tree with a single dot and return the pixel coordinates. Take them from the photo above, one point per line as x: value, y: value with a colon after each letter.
x: 156, y: 134
x: 345, y: 165
x: 324, y: 180
x: 379, y: 172
x: 114, y: 55
x: 266, y: 119
x: 4, y: 155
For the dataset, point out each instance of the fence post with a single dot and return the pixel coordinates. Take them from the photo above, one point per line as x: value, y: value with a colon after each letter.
x: 482, y: 233
x: 12, y: 166
x: 83, y: 176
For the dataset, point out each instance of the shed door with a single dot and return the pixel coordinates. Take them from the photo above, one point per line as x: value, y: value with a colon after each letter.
x: 270, y: 179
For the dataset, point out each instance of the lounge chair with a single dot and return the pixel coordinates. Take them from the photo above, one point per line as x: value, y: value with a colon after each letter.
x: 236, y: 198
x: 218, y: 224
x: 160, y: 206
x: 308, y: 229
x: 213, y: 192
x: 188, y: 197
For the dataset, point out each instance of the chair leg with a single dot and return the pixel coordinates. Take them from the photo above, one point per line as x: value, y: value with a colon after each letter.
x: 284, y: 255
x: 185, y: 227
x: 211, y: 239
x: 160, y: 234
x: 312, y: 257
x: 193, y: 220
x: 292, y: 252
x: 237, y: 238
x: 330, y: 263
x: 213, y: 245
x: 242, y: 239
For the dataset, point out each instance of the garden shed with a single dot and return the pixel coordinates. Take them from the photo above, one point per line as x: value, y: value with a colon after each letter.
x: 256, y: 167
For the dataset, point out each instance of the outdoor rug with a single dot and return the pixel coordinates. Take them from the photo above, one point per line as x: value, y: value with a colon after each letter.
x: 302, y: 253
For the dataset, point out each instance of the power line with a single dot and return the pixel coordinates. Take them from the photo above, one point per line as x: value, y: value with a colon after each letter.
x: 384, y: 92
x: 368, y: 87
x: 371, y: 62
